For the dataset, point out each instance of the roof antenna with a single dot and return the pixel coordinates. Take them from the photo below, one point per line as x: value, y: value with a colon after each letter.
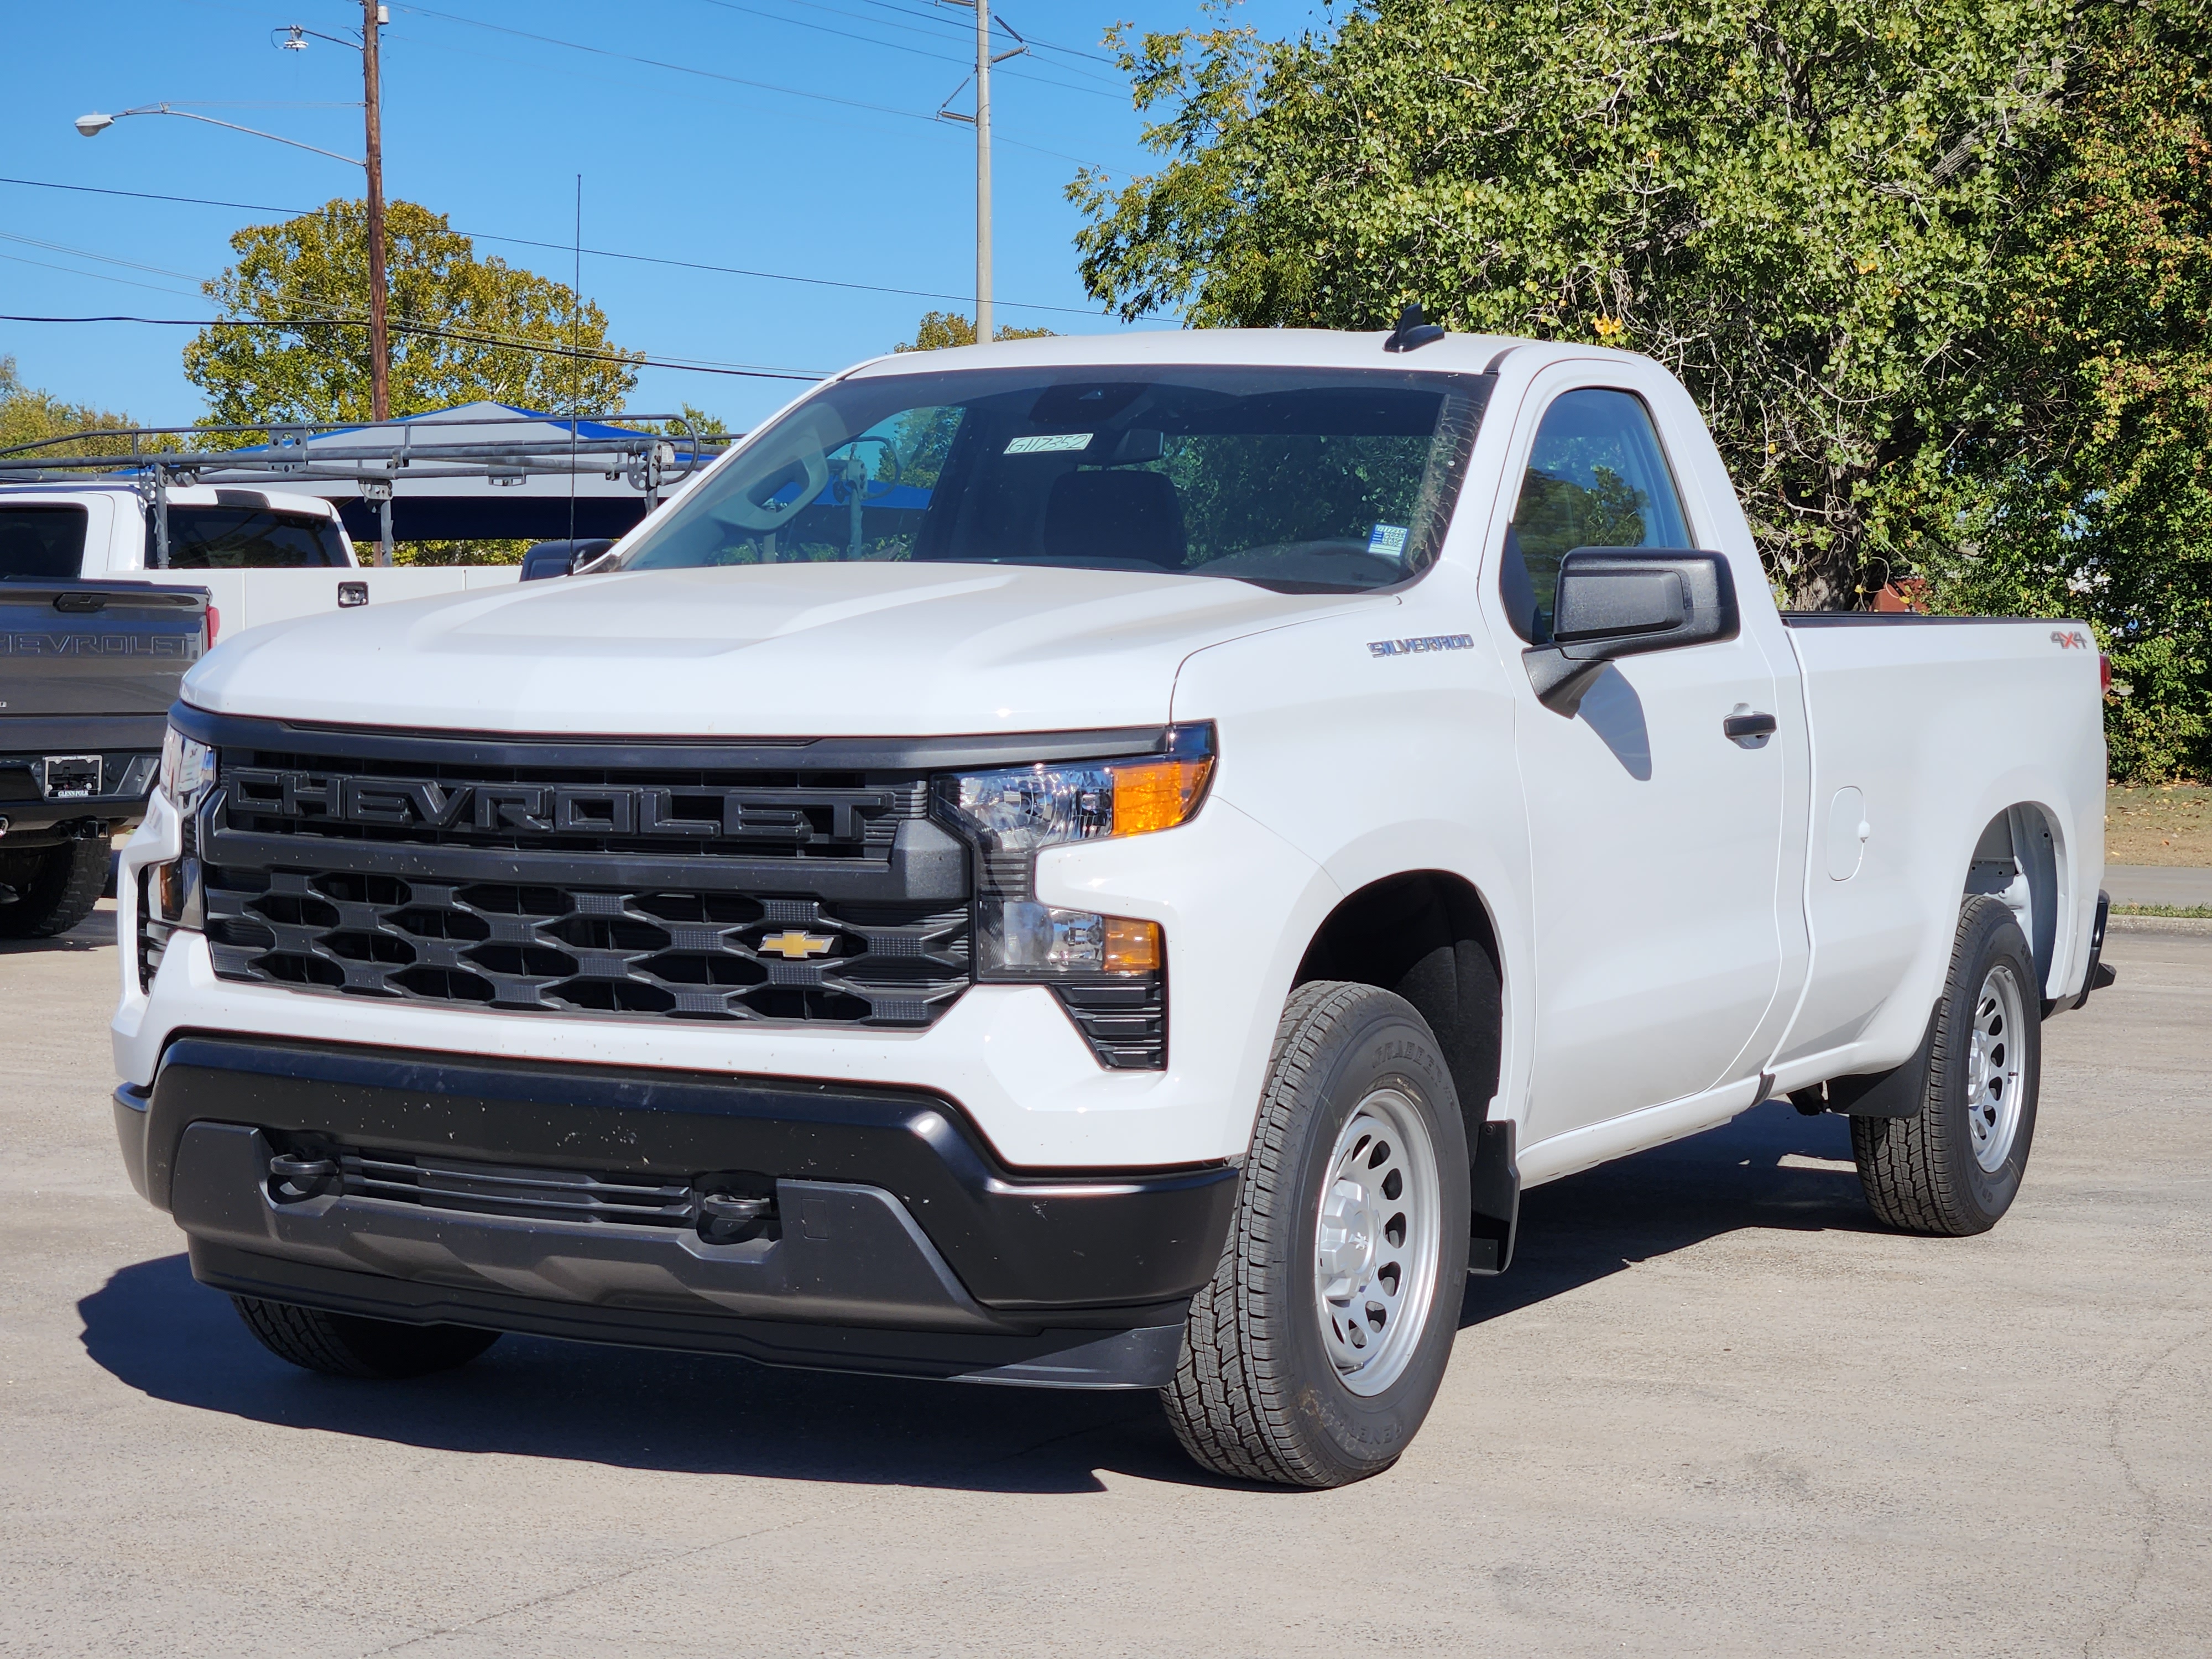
x: 1413, y: 331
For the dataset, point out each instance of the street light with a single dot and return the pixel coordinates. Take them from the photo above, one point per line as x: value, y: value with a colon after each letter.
x: 93, y: 124
x: 374, y: 14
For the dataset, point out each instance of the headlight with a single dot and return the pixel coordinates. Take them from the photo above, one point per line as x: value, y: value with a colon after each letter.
x: 1012, y: 814
x: 187, y: 769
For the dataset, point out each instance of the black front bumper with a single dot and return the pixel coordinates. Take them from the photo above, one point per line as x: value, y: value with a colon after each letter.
x: 901, y: 1244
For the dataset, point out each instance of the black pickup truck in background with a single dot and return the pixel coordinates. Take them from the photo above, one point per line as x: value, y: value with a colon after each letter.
x: 88, y: 671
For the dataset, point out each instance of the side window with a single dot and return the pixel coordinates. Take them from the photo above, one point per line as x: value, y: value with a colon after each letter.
x: 247, y: 539
x: 40, y: 544
x: 1596, y: 478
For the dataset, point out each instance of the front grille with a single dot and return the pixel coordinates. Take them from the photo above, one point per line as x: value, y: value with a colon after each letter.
x: 691, y: 955
x: 417, y: 873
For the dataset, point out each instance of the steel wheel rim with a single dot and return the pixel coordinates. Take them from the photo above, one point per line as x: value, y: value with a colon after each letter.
x: 1376, y: 1241
x: 1997, y: 1062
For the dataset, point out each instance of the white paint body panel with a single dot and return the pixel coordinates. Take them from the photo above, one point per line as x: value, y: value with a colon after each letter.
x: 1667, y: 940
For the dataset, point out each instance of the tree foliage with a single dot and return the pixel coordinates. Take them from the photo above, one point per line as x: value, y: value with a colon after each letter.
x: 2097, y: 446
x: 461, y: 327
x: 29, y: 415
x: 940, y: 329
x: 1791, y: 205
x: 1935, y: 269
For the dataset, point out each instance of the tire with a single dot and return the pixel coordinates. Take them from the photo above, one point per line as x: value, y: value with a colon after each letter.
x: 56, y: 888
x: 346, y: 1344
x: 1955, y: 1169
x: 1268, y: 1386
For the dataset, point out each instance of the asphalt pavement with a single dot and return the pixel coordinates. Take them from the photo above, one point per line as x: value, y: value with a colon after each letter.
x: 2158, y: 884
x: 1713, y: 1411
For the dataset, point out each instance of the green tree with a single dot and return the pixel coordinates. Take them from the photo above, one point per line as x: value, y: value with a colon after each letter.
x: 29, y: 415
x: 939, y: 329
x: 1793, y: 206
x: 2095, y: 440
x: 461, y: 327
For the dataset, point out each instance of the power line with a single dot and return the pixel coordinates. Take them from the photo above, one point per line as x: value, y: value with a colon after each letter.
x: 300, y: 324
x: 104, y: 259
x: 96, y: 275
x: 595, y: 253
x: 686, y: 68
x: 889, y: 46
x: 904, y: 11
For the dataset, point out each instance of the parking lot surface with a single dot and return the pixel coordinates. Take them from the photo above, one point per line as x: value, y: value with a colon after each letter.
x: 1712, y: 1410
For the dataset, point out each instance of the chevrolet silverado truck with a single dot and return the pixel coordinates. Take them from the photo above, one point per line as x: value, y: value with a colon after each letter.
x: 1090, y: 863
x: 88, y: 671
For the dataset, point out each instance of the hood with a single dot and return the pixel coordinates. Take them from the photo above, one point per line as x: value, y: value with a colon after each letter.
x: 756, y: 650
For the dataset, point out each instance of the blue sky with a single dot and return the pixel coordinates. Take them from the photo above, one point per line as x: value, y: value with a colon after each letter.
x: 683, y: 161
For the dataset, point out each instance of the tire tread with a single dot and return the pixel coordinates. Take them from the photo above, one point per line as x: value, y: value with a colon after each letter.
x: 1230, y: 1403
x: 50, y: 903
x: 1907, y: 1165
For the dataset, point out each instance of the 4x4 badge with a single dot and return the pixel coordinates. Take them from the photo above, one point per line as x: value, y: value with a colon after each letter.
x: 794, y: 946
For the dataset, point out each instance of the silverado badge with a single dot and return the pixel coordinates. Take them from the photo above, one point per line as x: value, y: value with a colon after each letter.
x: 794, y: 946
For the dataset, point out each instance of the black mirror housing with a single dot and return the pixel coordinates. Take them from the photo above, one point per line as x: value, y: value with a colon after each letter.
x: 549, y: 559
x: 1614, y: 602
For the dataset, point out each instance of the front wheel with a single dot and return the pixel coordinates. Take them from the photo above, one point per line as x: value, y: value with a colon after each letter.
x: 1313, y: 1356
x: 347, y: 1344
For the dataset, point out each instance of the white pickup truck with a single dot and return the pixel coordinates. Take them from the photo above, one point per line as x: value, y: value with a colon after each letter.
x: 264, y: 555
x: 1090, y: 863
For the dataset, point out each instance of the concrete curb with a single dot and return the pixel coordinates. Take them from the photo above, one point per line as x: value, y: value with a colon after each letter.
x: 2201, y: 924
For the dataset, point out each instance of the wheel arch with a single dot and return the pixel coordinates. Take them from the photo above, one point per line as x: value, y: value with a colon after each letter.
x: 1430, y: 937
x: 2017, y: 858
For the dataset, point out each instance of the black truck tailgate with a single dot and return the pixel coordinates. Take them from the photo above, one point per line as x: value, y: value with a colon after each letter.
x: 88, y: 671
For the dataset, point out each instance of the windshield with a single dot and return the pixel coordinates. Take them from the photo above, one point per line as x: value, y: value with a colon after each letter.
x: 1302, y: 480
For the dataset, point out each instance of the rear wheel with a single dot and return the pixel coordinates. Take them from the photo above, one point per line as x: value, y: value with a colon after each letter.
x: 1955, y: 1167
x: 1312, y: 1358
x: 346, y: 1344
x: 55, y: 888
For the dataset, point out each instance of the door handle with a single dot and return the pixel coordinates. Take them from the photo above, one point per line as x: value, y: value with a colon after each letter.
x: 1742, y: 727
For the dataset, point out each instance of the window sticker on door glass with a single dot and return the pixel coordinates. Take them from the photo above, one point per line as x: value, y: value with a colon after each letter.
x: 1047, y: 443
x: 1388, y: 540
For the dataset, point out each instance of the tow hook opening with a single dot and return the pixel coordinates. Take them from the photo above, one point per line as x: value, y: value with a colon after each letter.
x: 736, y: 1209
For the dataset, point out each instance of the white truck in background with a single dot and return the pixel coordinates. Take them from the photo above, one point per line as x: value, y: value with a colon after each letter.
x: 264, y: 555
x: 1096, y: 862
x: 258, y: 527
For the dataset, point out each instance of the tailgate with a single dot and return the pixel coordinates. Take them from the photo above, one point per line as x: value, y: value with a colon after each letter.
x: 80, y: 649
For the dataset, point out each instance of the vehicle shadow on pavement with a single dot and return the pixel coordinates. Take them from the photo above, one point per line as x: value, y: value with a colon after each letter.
x: 1731, y: 1179
x: 151, y: 1326
x: 155, y: 1329
x: 95, y: 932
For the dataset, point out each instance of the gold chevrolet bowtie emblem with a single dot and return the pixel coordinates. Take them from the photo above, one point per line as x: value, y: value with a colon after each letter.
x: 794, y: 946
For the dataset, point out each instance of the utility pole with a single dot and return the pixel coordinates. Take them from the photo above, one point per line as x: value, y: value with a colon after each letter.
x: 982, y: 172
x: 379, y: 344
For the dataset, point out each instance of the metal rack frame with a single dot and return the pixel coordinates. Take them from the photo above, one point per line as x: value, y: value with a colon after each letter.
x: 383, y: 451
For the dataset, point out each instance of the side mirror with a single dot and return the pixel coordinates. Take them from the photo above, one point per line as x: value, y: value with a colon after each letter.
x: 1622, y: 601
x: 549, y: 559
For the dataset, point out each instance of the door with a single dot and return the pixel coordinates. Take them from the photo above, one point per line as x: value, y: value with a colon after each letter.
x: 1656, y: 837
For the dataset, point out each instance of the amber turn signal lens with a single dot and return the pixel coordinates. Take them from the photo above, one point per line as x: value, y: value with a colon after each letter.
x: 1158, y: 795
x: 169, y: 891
x: 1132, y: 947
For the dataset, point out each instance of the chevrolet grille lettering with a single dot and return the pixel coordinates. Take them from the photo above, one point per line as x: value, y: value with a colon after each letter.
x: 794, y: 946
x: 785, y: 816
